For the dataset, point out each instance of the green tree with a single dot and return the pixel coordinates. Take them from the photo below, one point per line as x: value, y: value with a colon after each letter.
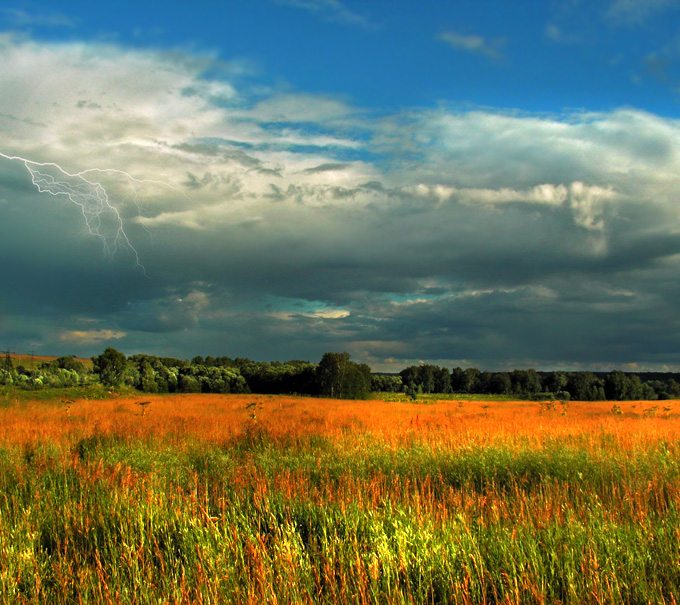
x: 483, y: 383
x: 555, y: 382
x: 619, y: 386
x: 585, y: 386
x: 189, y: 384
x: 386, y: 383
x: 147, y: 378
x: 501, y: 383
x: 525, y: 382
x: 338, y: 377
x: 458, y: 380
x: 110, y: 366
x: 471, y: 379
x: 67, y: 362
x: 410, y: 377
x: 7, y: 373
x: 442, y: 380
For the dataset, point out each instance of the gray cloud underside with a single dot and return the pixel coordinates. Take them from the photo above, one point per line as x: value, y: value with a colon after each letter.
x: 294, y: 225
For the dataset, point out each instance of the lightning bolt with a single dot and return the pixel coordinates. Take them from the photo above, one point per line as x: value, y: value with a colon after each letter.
x: 102, y: 217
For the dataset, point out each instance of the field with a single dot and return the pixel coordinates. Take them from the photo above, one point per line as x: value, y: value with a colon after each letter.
x: 31, y: 362
x: 270, y: 499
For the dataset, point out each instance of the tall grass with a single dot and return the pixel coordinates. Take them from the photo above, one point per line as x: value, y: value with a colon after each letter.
x: 501, y: 504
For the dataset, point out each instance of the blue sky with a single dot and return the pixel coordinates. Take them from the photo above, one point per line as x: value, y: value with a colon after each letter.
x: 463, y: 183
x: 535, y: 56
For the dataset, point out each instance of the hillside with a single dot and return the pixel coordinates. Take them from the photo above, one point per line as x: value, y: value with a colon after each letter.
x: 31, y: 362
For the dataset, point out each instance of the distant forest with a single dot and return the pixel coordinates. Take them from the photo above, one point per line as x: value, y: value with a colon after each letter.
x: 334, y: 376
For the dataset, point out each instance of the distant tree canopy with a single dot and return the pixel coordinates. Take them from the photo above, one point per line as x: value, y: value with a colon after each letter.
x: 338, y: 377
x: 386, y: 383
x: 426, y: 379
x: 341, y: 378
x: 620, y: 386
x: 584, y: 386
x: 68, y: 362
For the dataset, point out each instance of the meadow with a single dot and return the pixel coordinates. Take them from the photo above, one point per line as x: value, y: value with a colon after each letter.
x: 273, y: 499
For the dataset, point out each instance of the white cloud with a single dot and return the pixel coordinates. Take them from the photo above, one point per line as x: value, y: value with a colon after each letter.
x: 331, y: 313
x: 556, y: 33
x: 86, y: 337
x: 22, y: 18
x: 463, y: 214
x: 636, y: 12
x: 545, y: 193
x: 331, y: 10
x: 153, y: 115
x: 492, y: 149
x: 585, y: 201
x: 233, y: 161
x: 300, y: 108
x: 316, y: 314
x: 473, y: 44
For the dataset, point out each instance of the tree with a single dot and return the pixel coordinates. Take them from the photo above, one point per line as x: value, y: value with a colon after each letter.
x: 471, y: 377
x: 442, y: 380
x: 501, y: 383
x: 458, y: 380
x: 669, y: 389
x: 147, y: 378
x: 410, y: 377
x: 7, y: 373
x: 68, y: 362
x: 426, y: 378
x: 584, y: 386
x: 555, y: 382
x: 386, y: 383
x: 331, y: 373
x: 338, y: 377
x: 189, y: 384
x: 483, y: 383
x: 110, y: 366
x: 525, y: 382
x: 619, y: 386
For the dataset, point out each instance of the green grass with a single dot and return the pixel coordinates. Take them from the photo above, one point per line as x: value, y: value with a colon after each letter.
x: 343, y: 520
x: 10, y: 395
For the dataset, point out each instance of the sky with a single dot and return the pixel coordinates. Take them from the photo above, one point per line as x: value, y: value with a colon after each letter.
x: 466, y: 183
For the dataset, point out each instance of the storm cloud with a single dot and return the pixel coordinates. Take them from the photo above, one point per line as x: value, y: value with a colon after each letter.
x: 295, y: 224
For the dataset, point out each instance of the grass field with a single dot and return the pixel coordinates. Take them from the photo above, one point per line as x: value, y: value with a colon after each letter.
x: 268, y: 499
x: 31, y: 362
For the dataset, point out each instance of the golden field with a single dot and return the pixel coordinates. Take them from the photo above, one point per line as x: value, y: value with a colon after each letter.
x: 274, y: 499
x: 216, y: 418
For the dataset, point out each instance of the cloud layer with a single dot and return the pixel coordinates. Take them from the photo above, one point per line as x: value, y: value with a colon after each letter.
x: 281, y: 225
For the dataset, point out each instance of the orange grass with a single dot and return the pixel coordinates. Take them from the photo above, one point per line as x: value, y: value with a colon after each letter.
x: 372, y: 519
x: 217, y: 418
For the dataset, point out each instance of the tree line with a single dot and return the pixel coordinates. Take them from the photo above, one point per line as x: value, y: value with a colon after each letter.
x: 336, y: 375
x: 582, y: 386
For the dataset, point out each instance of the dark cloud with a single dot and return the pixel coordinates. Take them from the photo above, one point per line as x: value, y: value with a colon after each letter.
x: 82, y: 104
x: 495, y: 238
